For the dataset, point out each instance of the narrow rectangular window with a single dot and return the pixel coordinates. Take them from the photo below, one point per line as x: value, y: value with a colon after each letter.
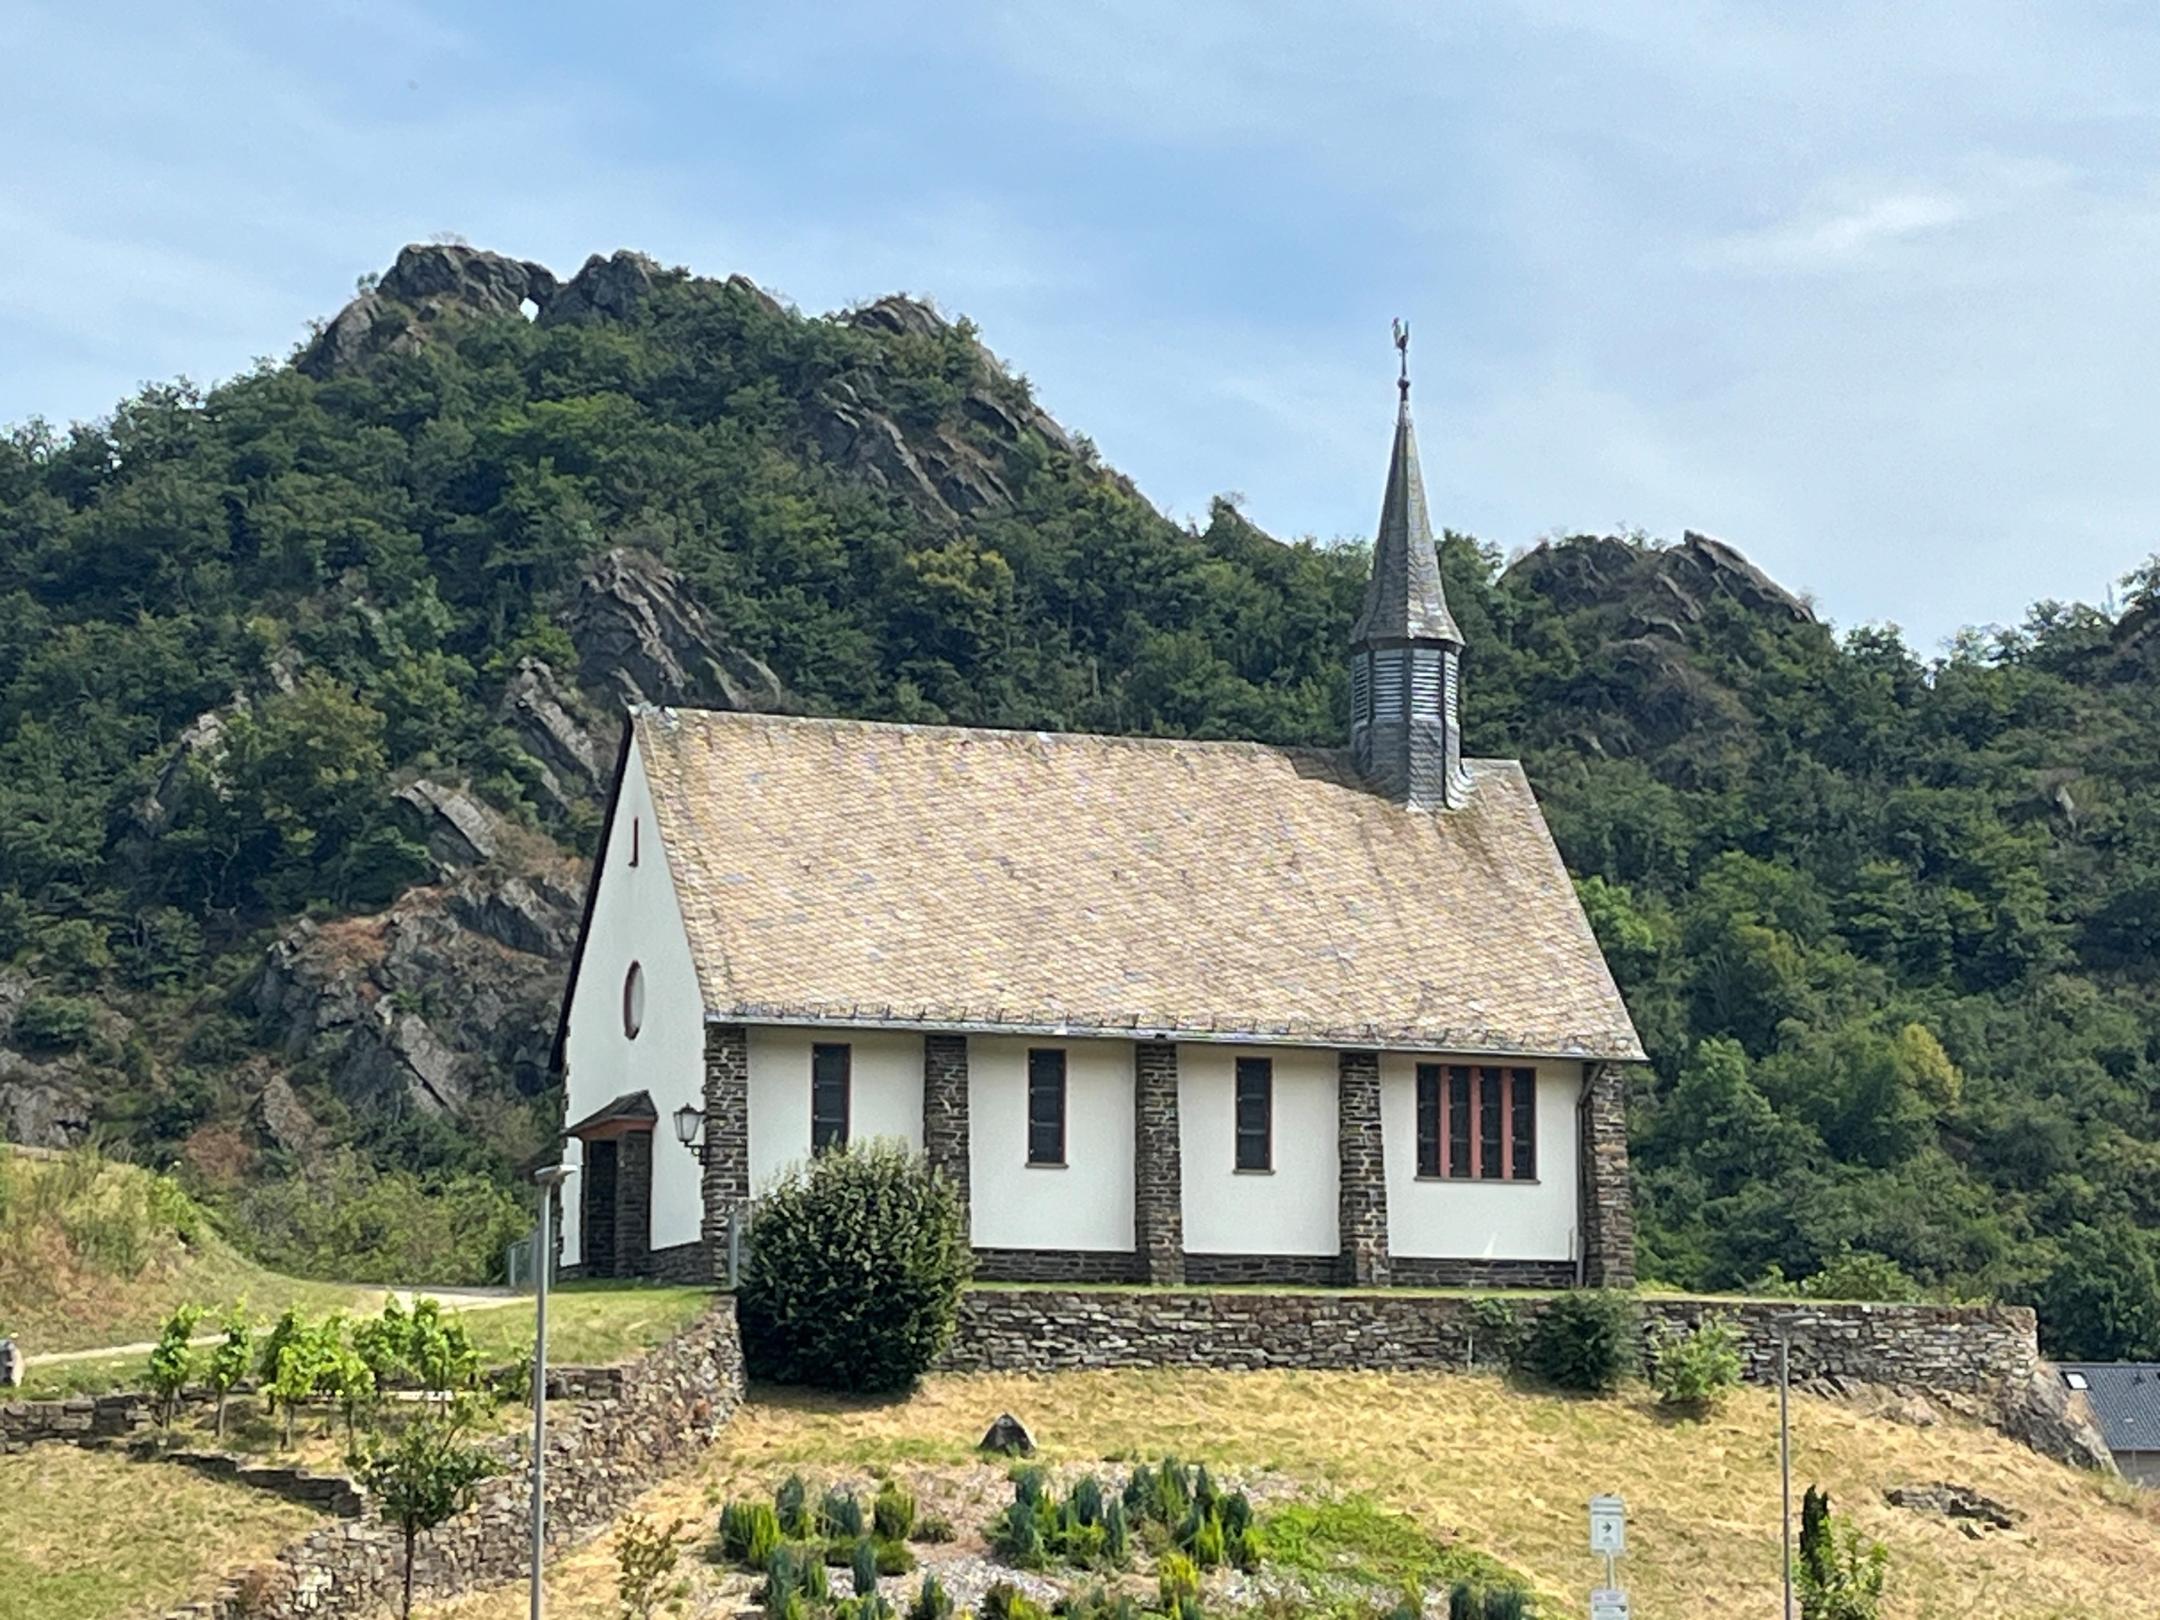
x: 1492, y: 1127
x: 1428, y: 1119
x: 1046, y: 1105
x: 828, y: 1098
x: 633, y: 840
x: 1255, y: 1113
x: 1523, y: 1165
x: 1458, y: 1121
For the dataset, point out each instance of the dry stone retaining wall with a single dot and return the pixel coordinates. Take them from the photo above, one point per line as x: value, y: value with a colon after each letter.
x: 1982, y: 1359
x: 78, y: 1419
x: 1951, y: 1349
x: 95, y: 1419
x: 676, y: 1398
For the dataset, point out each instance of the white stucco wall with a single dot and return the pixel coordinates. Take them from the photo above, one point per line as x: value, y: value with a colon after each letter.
x: 1289, y: 1210
x: 1481, y: 1220
x: 885, y: 1093
x: 636, y: 918
x: 1086, y: 1204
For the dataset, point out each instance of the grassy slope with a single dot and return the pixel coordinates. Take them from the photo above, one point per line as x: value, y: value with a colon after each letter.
x: 91, y: 1253
x: 93, y: 1536
x: 1506, y: 1471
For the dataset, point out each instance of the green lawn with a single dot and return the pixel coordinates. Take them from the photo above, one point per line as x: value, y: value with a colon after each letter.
x: 589, y: 1324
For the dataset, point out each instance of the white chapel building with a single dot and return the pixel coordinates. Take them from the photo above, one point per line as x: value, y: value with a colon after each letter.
x: 1164, y: 1011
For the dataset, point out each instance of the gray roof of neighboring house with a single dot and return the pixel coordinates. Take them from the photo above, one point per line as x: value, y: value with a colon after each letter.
x: 847, y: 872
x: 2125, y: 1398
x: 1403, y: 597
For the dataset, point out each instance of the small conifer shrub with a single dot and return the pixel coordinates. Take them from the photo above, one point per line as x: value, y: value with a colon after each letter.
x: 1586, y: 1340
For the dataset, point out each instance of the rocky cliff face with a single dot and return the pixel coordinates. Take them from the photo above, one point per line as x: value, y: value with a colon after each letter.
x: 450, y: 993
x: 453, y: 989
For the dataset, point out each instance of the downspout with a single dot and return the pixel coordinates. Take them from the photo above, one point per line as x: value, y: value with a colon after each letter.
x: 1582, y: 1177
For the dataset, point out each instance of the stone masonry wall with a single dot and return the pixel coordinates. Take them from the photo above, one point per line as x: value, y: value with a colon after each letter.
x: 945, y: 1109
x: 1983, y: 1360
x: 1955, y: 1349
x: 1608, y: 1200
x: 91, y: 1420
x: 1362, y: 1212
x: 78, y: 1419
x: 1158, y: 1164
x: 726, y: 1181
x: 676, y: 1398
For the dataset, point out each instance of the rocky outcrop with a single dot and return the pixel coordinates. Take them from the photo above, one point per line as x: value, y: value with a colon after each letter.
x: 42, y: 1104
x: 609, y: 287
x: 287, y: 1123
x: 1656, y: 591
x: 44, y: 1101
x: 950, y: 471
x: 427, y: 284
x: 422, y: 1003
x: 2054, y: 1420
x: 642, y: 635
x: 546, y: 715
x: 189, y: 767
x: 454, y: 826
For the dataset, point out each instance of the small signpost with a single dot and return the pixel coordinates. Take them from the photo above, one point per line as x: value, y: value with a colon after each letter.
x: 1608, y: 1526
x: 1608, y: 1539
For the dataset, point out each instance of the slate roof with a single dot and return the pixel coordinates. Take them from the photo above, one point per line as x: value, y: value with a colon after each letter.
x: 1403, y: 597
x: 848, y: 872
x: 2125, y: 1398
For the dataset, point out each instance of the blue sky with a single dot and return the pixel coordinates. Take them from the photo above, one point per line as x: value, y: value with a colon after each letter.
x: 1868, y: 291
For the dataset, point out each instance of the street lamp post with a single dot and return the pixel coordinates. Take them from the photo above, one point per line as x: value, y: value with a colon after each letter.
x: 550, y: 1177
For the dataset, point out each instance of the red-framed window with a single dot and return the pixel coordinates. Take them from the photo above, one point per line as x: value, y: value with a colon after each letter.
x: 1476, y: 1122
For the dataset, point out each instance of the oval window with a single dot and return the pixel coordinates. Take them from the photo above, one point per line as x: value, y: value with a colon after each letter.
x: 633, y: 1001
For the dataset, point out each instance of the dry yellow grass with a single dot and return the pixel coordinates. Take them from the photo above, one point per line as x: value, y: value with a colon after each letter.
x: 1507, y: 1471
x: 89, y: 1535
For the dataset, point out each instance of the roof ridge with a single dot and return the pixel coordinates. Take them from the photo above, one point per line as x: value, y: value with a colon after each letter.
x: 668, y: 715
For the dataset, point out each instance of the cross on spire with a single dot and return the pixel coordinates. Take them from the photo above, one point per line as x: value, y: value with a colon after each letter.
x: 1402, y: 350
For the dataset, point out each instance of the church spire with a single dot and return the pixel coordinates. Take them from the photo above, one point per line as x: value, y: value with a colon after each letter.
x: 1405, y: 649
x: 1403, y: 598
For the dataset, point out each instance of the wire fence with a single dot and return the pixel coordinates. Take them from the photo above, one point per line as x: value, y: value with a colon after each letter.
x: 520, y: 1271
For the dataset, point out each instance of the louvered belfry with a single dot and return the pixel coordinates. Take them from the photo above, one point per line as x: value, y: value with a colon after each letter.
x: 1405, y: 651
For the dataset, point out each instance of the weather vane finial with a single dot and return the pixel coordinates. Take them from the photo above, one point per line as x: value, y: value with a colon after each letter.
x: 1402, y: 348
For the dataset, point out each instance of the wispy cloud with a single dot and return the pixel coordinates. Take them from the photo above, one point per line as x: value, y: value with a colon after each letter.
x: 1843, y: 237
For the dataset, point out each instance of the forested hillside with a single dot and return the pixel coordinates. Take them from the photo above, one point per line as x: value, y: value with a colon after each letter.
x: 308, y: 685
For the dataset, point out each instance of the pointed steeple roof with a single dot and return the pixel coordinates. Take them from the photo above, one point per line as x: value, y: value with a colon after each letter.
x: 1403, y: 599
